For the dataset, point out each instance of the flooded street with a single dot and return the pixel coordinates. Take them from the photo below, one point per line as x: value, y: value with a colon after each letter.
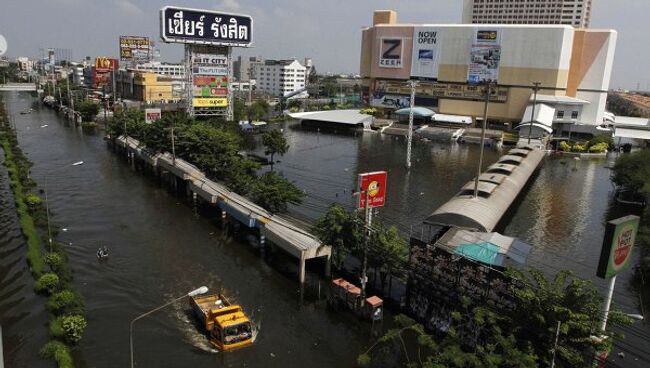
x: 160, y: 250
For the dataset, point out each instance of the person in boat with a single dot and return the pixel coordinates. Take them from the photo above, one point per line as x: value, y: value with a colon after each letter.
x: 102, y: 252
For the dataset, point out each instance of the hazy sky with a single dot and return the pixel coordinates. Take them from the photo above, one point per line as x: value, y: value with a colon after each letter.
x: 326, y: 30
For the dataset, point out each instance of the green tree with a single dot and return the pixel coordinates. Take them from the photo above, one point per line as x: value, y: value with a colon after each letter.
x: 633, y: 171
x: 387, y: 254
x: 313, y: 75
x: 88, y: 110
x: 258, y: 110
x: 274, y: 192
x: 496, y: 348
x: 542, y: 303
x: 339, y: 229
x: 239, y: 110
x: 275, y: 143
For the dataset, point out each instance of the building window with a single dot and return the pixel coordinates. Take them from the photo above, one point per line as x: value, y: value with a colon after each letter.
x: 560, y: 114
x: 574, y: 114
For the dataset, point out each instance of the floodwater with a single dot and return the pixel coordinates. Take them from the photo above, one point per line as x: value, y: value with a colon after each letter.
x: 159, y: 248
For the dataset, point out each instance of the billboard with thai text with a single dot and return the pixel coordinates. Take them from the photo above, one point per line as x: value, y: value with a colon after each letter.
x: 372, y: 187
x: 135, y: 48
x: 205, y: 27
x: 485, y: 56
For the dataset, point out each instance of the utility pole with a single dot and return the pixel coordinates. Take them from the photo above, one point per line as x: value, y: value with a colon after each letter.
x: 366, y: 240
x: 409, y: 141
x: 532, y: 114
x: 173, y: 146
x: 483, y: 127
x: 557, y: 337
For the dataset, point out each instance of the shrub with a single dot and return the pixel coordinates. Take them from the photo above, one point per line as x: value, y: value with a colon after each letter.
x: 66, y: 300
x: 56, y: 327
x: 47, y: 283
x: 579, y: 147
x: 599, y: 148
x: 601, y: 139
x: 564, y: 146
x: 73, y: 327
x: 58, y: 351
x: 33, y: 200
x: 54, y: 260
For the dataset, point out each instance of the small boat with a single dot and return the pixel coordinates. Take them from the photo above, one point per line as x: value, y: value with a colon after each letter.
x: 102, y: 253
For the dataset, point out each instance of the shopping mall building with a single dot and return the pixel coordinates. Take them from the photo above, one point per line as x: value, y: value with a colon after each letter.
x: 573, y: 68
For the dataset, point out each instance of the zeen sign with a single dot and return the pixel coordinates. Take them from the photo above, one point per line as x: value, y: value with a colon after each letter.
x: 204, y: 27
x: 390, y: 53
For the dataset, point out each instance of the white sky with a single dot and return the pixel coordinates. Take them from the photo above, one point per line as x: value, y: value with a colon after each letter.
x: 328, y: 31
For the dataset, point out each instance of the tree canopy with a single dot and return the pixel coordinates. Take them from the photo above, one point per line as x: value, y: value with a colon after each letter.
x: 274, y: 143
x: 633, y: 171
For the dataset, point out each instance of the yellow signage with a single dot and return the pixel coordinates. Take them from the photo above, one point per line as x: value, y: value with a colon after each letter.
x: 210, y: 102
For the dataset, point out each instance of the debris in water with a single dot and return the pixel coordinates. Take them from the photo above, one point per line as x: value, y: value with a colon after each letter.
x: 272, y: 355
x: 64, y: 229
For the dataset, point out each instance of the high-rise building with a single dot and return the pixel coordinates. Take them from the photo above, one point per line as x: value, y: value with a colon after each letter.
x: 280, y: 77
x: 244, y: 67
x: 576, y: 13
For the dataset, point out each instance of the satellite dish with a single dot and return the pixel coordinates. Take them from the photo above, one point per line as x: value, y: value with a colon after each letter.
x: 3, y: 45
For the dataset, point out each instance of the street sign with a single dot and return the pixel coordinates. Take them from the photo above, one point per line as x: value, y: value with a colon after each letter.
x: 373, y: 186
x: 618, y: 243
x: 151, y: 115
x: 205, y: 27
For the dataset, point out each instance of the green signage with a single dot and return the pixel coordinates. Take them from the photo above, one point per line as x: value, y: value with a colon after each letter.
x: 618, y: 242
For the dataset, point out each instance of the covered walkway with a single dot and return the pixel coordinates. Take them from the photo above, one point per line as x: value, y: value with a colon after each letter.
x: 282, y: 232
x: 351, y: 118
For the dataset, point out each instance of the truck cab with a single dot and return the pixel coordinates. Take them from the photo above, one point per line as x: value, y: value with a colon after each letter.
x: 227, y: 326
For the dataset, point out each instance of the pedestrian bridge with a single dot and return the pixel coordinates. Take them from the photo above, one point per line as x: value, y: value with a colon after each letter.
x: 26, y: 87
x: 281, y: 231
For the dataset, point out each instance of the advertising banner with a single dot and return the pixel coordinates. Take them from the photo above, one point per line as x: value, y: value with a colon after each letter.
x: 134, y: 48
x: 151, y: 115
x: 373, y: 186
x: 485, y: 55
x: 424, y: 63
x: 209, y: 59
x: 209, y: 70
x: 390, y: 52
x: 618, y: 243
x: 104, y: 64
x: 205, y: 27
x: 210, y: 102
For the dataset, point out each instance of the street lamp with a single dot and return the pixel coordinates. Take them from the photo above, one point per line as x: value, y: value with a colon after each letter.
x: 47, y: 203
x: 199, y: 291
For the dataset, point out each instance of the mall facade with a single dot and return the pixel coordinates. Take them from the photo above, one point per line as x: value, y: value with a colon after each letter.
x: 572, y: 66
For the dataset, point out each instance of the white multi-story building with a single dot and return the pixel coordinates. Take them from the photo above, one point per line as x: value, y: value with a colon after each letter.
x: 25, y: 64
x: 576, y: 13
x: 281, y: 78
x: 174, y: 71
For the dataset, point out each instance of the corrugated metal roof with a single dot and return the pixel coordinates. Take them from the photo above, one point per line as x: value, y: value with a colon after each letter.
x: 349, y: 117
x: 484, y: 212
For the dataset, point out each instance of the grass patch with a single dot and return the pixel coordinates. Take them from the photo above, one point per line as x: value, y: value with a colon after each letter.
x: 34, y: 258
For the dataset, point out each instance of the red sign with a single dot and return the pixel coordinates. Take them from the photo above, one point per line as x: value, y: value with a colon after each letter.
x: 373, y: 186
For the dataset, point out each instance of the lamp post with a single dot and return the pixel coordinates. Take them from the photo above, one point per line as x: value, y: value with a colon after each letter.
x: 409, y: 141
x: 483, y: 127
x: 199, y: 291
x: 47, y: 202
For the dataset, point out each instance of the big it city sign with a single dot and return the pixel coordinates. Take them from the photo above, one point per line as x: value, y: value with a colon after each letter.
x: 615, y: 256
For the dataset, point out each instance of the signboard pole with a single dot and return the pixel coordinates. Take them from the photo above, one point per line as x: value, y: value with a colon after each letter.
x: 483, y: 127
x: 188, y: 79
x: 229, y: 108
x: 532, y: 113
x: 364, y: 263
x: 608, y: 302
x: 409, y: 141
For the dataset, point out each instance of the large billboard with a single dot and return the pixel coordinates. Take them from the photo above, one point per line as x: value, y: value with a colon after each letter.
x: 205, y: 27
x: 105, y: 64
x: 135, y: 48
x: 209, y: 73
x: 426, y: 45
x: 485, y: 55
x: 618, y: 243
x: 372, y: 186
x: 391, y: 52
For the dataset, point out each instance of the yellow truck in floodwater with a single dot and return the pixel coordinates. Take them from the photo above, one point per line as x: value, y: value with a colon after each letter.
x: 227, y: 326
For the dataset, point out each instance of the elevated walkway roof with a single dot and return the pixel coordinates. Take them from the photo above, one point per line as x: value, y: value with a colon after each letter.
x: 499, y: 185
